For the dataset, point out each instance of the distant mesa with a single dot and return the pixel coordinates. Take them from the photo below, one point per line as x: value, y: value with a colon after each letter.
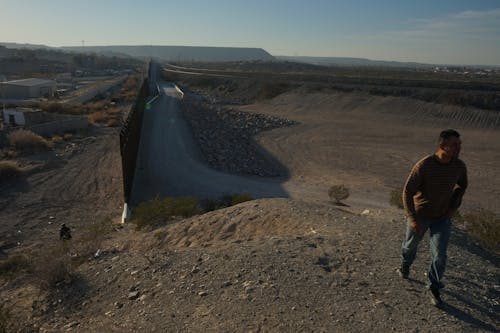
x: 182, y: 53
x: 169, y: 53
x: 345, y: 61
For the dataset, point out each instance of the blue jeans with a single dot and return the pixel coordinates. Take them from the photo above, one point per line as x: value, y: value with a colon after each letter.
x: 440, y: 230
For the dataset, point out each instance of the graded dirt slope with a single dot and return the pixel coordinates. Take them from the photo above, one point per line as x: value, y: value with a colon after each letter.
x: 269, y: 265
x: 272, y: 265
x: 370, y: 143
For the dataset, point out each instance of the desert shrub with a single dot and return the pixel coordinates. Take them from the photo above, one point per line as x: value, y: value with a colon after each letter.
x: 53, y: 107
x: 159, y: 211
x: 9, y: 153
x: 483, y: 227
x: 27, y: 141
x: 162, y: 210
x: 9, y: 169
x: 97, y: 117
x: 396, y: 198
x: 52, y: 265
x: 5, y: 319
x: 239, y: 198
x: 13, y: 266
x: 271, y: 90
x: 57, y: 139
x: 223, y: 201
x: 159, y: 234
x: 61, y: 108
x: 338, y: 193
x: 209, y: 204
x: 112, y: 122
x: 89, y: 239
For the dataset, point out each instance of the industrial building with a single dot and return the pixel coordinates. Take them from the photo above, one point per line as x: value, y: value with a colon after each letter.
x: 27, y: 89
x: 14, y: 117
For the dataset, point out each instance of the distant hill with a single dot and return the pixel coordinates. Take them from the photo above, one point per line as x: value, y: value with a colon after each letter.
x: 25, y: 46
x: 339, y: 61
x: 170, y: 53
x: 182, y: 53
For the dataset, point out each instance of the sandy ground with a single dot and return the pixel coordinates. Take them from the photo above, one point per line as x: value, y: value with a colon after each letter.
x: 271, y: 265
x: 370, y: 143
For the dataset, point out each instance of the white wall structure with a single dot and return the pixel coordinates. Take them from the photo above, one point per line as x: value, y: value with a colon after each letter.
x: 28, y: 88
x: 14, y: 117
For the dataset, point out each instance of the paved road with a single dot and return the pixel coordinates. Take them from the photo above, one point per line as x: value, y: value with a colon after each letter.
x: 171, y: 164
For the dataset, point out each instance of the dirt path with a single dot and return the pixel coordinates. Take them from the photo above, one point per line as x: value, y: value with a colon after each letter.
x: 77, y: 185
x: 293, y: 264
x: 276, y: 265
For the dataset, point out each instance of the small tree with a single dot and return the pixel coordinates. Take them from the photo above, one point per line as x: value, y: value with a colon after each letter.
x: 338, y: 193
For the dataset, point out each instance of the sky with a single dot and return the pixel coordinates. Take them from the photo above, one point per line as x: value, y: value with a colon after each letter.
x: 427, y: 31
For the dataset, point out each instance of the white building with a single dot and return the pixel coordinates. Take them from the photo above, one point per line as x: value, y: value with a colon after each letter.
x: 27, y: 88
x: 22, y: 117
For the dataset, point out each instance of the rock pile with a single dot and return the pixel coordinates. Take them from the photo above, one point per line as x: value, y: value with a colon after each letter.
x: 225, y: 137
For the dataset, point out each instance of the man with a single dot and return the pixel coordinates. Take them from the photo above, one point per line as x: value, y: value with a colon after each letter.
x: 65, y: 232
x: 431, y: 195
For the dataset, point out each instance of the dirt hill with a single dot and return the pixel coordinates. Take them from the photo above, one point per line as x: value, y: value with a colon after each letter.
x: 267, y: 265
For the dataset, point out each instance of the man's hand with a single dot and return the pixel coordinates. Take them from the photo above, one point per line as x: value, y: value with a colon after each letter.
x: 417, y: 227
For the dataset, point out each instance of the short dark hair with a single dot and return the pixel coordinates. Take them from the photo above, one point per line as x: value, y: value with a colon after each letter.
x: 446, y: 134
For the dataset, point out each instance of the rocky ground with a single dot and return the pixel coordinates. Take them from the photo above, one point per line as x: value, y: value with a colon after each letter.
x: 267, y: 265
x: 225, y: 137
x: 275, y: 265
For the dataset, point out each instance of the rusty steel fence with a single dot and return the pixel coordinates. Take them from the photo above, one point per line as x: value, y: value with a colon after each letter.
x: 130, y: 136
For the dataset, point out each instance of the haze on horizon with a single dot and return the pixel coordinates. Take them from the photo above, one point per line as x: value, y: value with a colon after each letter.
x: 438, y: 32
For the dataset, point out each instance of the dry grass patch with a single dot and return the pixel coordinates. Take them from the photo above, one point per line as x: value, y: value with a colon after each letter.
x: 13, y: 266
x: 396, y: 198
x: 160, y: 211
x: 97, y: 117
x: 28, y: 142
x: 482, y: 226
x: 10, y: 169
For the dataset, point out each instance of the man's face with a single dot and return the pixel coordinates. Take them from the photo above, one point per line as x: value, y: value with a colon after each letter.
x: 451, y: 147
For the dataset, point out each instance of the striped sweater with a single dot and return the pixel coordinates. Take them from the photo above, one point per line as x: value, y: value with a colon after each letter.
x: 432, y: 188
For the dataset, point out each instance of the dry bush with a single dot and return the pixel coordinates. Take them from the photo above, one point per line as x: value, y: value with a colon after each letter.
x: 9, y: 169
x: 52, y: 265
x: 114, y: 110
x: 28, y: 142
x: 159, y: 211
x: 239, y: 198
x: 67, y: 136
x: 86, y: 243
x: 113, y: 122
x: 9, y: 154
x: 224, y: 201
x: 396, y: 198
x: 60, y: 108
x: 56, y: 263
x: 13, y: 266
x: 5, y: 319
x: 56, y: 139
x: 483, y: 226
x: 97, y: 117
x: 338, y: 193
x: 132, y: 83
x: 271, y: 90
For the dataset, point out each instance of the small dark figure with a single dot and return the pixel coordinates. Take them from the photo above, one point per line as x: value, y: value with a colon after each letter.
x: 64, y: 233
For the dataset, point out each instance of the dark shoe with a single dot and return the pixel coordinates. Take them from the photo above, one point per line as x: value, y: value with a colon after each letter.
x: 404, y: 271
x: 435, y: 297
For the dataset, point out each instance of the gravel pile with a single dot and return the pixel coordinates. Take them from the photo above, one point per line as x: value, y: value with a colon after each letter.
x: 225, y: 136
